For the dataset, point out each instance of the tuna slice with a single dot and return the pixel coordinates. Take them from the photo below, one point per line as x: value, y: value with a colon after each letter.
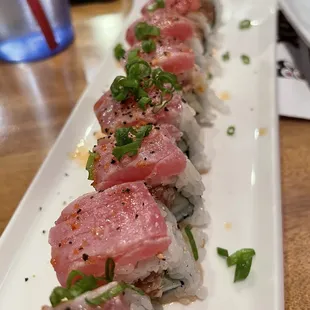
x: 123, y: 223
x: 170, y: 24
x: 182, y: 7
x: 120, y: 302
x: 159, y: 160
x: 171, y: 55
x: 112, y: 114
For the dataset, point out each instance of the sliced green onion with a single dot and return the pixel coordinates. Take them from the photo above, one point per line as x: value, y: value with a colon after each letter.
x: 240, y: 256
x: 121, y: 136
x: 133, y: 54
x: 118, y: 91
x: 144, y: 31
x: 242, y: 270
x: 91, y: 164
x: 191, y: 241
x: 245, y: 24
x: 129, y: 149
x: 222, y: 252
x: 138, y: 69
x: 148, y: 46
x: 132, y: 148
x: 143, y: 102
x: 158, y: 4
x: 226, y: 56
x: 85, y: 284
x: 111, y: 293
x: 245, y: 59
x: 231, y: 130
x: 143, y: 131
x: 109, y: 269
x: 73, y: 274
x: 119, y: 51
x: 122, y: 86
x: 58, y: 295
x: 163, y: 80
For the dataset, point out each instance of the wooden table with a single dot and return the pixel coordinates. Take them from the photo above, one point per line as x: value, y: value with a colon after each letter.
x: 36, y: 99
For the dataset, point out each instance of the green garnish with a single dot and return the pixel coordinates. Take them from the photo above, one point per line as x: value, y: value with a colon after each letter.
x: 138, y: 68
x: 148, y: 46
x: 231, y: 130
x: 158, y: 4
x: 226, y: 56
x: 210, y: 76
x: 85, y: 284
x: 242, y: 259
x: 240, y: 256
x: 140, y: 76
x: 111, y: 293
x: 109, y: 269
x: 143, y: 102
x: 245, y: 59
x: 119, y: 51
x: 121, y: 136
x: 90, y: 164
x: 222, y: 252
x: 126, y: 145
x: 191, y: 241
x: 242, y: 270
x: 245, y: 24
x: 132, y: 54
x: 144, y: 31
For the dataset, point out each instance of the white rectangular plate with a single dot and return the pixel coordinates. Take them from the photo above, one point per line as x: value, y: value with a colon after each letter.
x: 242, y: 189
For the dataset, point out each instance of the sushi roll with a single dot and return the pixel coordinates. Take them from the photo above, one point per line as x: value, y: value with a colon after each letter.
x: 158, y: 162
x: 178, y: 57
x: 112, y: 296
x: 112, y: 114
x: 124, y: 225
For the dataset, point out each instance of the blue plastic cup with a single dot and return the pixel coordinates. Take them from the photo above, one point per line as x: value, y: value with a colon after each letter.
x: 21, y: 38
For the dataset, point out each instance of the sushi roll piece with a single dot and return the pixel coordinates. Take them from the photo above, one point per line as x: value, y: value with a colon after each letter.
x: 182, y: 7
x: 178, y: 58
x: 112, y: 114
x: 157, y: 161
x: 171, y: 25
x: 112, y: 296
x: 125, y: 228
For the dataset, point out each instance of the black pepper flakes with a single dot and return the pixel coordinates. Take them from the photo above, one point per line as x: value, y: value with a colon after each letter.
x: 145, y: 158
x: 106, y: 130
x: 59, y: 244
x: 143, y: 113
x: 85, y: 257
x: 124, y: 123
x: 81, y: 248
x: 183, y: 100
x: 152, y: 152
x: 123, y: 203
x: 43, y: 231
x: 127, y: 190
x: 91, y: 197
x: 26, y: 279
x: 66, y: 174
x: 166, y: 109
x: 40, y: 209
x: 80, y: 210
x: 118, y: 228
x: 136, y: 216
x: 70, y: 242
x: 113, y: 161
x: 67, y: 308
x: 78, y: 218
x: 101, y: 191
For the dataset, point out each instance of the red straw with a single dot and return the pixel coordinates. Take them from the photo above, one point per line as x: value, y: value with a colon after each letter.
x: 43, y: 22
